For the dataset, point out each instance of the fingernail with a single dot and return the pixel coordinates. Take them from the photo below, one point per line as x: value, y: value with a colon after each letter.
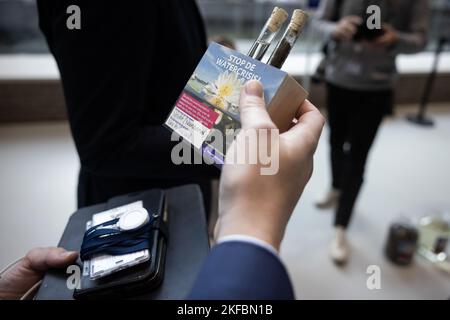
x: 254, y: 88
x: 65, y: 254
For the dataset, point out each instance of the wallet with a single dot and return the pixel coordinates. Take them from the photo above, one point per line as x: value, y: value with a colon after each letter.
x: 143, y: 277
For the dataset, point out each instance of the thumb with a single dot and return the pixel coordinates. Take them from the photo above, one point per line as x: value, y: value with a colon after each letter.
x: 252, y: 107
x: 61, y: 259
x: 42, y: 259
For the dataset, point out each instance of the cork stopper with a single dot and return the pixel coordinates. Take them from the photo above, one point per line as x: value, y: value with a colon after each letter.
x: 298, y: 21
x: 276, y: 20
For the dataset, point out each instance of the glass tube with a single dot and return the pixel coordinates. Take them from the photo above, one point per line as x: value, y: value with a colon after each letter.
x: 268, y: 33
x: 285, y: 45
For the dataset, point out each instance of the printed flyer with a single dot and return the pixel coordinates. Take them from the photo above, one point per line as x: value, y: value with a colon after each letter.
x: 209, y: 104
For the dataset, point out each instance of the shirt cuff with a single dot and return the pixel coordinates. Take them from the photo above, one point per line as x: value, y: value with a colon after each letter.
x: 251, y: 240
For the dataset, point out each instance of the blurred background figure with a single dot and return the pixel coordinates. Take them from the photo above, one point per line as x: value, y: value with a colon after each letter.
x: 360, y: 73
x: 119, y: 89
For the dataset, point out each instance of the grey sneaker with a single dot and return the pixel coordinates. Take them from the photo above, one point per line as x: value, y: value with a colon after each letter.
x: 330, y: 200
x: 339, y: 249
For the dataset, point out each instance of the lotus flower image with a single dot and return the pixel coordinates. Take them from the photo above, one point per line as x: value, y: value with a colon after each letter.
x: 225, y: 91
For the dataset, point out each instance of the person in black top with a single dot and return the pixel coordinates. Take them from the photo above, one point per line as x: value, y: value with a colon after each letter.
x: 122, y: 71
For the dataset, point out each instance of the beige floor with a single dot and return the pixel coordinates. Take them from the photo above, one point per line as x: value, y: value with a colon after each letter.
x: 408, y: 175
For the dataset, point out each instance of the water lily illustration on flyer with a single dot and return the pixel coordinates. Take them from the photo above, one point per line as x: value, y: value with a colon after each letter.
x: 224, y: 92
x: 210, y: 99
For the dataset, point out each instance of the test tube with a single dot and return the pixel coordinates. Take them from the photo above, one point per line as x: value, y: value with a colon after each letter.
x: 268, y: 33
x: 285, y: 45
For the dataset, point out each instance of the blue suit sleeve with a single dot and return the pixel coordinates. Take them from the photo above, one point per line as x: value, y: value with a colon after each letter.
x: 239, y: 270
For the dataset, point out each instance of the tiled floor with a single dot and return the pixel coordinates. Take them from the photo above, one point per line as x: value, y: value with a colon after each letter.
x: 408, y: 174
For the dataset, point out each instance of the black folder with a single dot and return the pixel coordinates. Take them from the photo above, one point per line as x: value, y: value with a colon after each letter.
x: 187, y: 247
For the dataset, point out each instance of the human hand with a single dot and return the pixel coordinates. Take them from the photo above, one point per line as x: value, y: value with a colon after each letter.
x: 346, y: 28
x: 388, y: 38
x: 18, y: 279
x: 260, y: 205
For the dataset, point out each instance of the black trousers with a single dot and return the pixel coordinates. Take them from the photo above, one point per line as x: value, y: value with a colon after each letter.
x: 354, y: 118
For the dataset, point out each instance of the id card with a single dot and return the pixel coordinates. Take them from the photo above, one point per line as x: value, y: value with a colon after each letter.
x: 102, y: 265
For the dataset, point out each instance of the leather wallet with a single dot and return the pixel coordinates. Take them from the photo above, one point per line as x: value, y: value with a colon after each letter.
x: 143, y: 277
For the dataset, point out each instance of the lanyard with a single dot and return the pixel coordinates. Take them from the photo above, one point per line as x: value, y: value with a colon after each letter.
x: 127, y: 234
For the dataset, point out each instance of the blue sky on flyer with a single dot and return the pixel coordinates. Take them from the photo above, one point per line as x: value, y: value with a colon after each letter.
x: 208, y: 70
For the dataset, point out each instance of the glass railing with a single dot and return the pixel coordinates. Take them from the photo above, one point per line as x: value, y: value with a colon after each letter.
x: 240, y: 20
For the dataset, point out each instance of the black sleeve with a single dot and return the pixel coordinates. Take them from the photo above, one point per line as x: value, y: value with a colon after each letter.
x: 121, y: 74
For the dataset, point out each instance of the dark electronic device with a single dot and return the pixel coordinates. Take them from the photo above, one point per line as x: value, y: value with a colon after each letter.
x: 138, y: 279
x: 402, y: 243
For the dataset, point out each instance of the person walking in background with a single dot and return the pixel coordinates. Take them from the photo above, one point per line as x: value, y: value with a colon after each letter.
x: 360, y: 74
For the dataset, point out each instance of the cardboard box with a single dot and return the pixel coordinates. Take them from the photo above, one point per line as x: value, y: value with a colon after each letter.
x: 209, y: 103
